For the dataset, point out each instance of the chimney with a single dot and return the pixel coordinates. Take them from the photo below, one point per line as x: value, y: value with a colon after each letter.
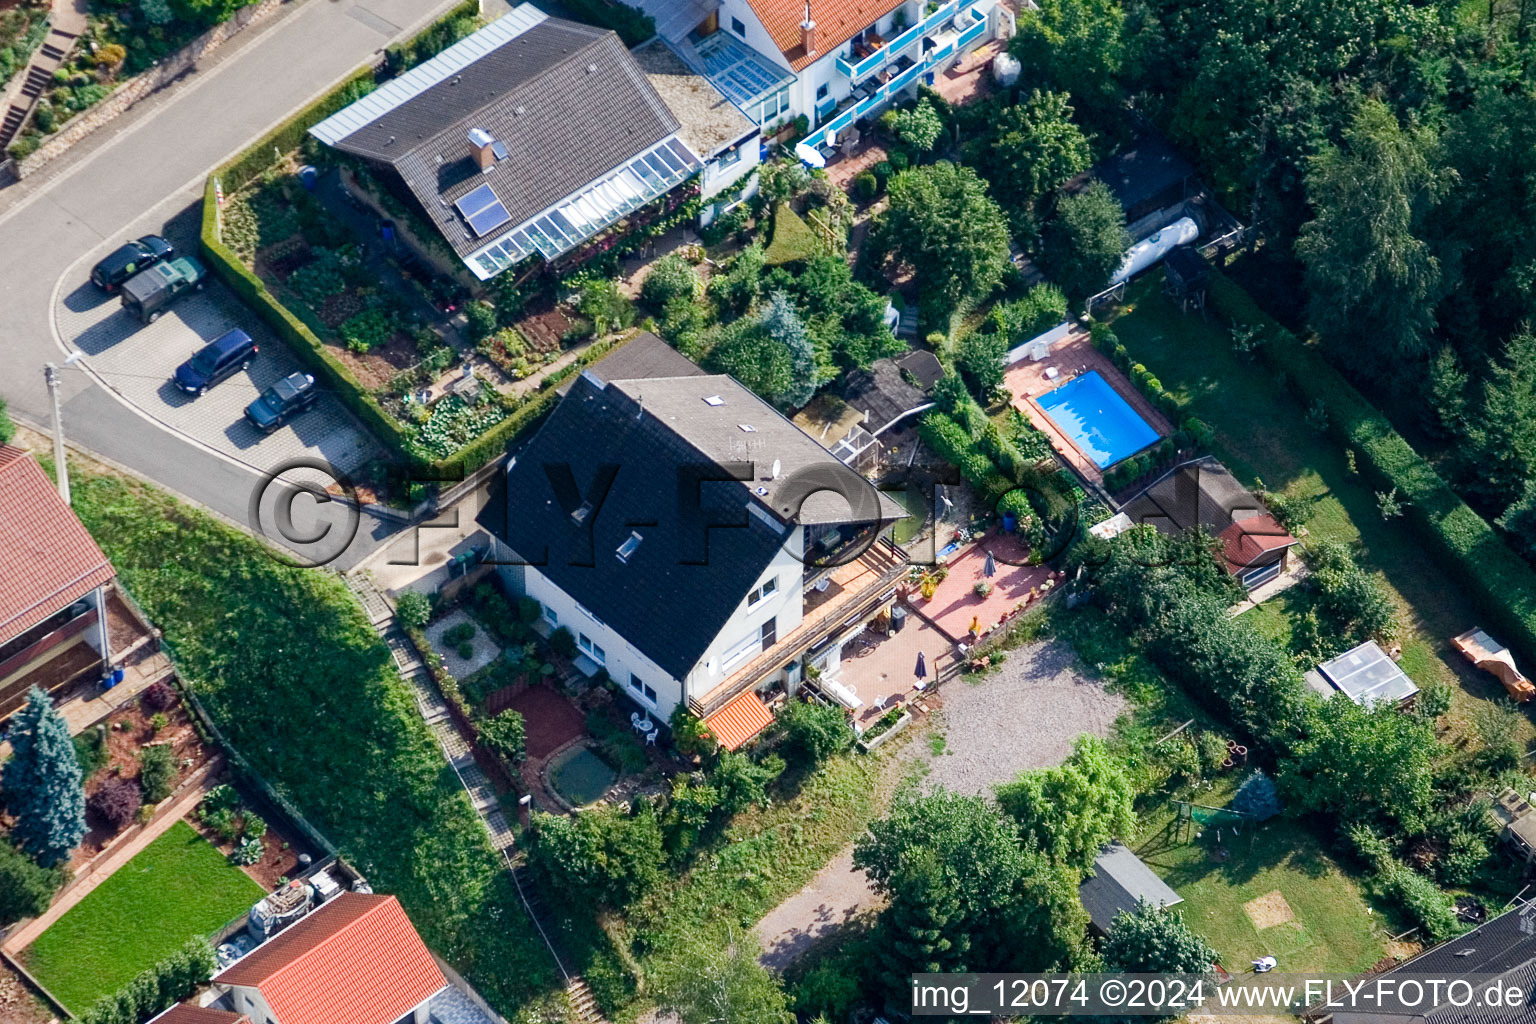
x: 481, y: 140
x: 808, y: 31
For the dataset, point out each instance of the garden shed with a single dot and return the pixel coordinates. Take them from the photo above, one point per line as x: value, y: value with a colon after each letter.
x: 1119, y: 881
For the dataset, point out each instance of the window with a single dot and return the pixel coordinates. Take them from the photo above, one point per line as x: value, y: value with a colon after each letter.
x: 642, y: 689
x: 770, y: 633
x: 629, y: 547
x: 821, y: 91
x: 550, y: 616
x: 591, y: 649
x: 769, y: 587
x: 739, y: 27
x: 773, y: 106
x: 729, y: 157
x: 750, y: 644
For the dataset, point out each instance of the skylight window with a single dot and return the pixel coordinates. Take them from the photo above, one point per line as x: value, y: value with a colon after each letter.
x: 580, y: 515
x: 714, y: 400
x: 629, y: 547
x: 747, y: 428
x: 482, y: 210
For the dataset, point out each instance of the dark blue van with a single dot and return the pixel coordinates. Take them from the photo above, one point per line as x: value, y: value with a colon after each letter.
x: 215, y: 361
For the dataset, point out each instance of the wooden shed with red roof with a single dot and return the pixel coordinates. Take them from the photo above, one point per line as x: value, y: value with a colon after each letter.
x: 53, y: 581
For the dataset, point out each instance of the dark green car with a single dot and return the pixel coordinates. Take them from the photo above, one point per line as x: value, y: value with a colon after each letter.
x: 282, y: 401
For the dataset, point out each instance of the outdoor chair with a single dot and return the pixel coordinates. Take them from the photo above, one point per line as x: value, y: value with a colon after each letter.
x: 650, y: 737
x: 634, y: 719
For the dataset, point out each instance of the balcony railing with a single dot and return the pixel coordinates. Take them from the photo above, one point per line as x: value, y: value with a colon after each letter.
x: 809, y: 148
x: 858, y: 71
x: 866, y: 582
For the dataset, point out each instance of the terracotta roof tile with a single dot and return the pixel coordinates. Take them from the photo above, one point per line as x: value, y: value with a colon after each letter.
x: 837, y: 21
x: 47, y: 559
x: 1245, y: 541
x: 354, y: 960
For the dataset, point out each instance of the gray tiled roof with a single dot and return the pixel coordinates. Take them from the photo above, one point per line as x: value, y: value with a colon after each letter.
x: 1198, y: 493
x: 567, y: 100
x: 1119, y: 879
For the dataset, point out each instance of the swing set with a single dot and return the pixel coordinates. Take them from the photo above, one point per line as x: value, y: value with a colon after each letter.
x: 1194, y: 818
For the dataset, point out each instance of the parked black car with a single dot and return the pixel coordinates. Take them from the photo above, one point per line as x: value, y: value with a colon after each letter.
x: 216, y: 361
x: 121, y: 264
x: 282, y: 401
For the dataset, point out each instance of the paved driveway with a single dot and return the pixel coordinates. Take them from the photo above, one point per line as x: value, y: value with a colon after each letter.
x: 137, y: 361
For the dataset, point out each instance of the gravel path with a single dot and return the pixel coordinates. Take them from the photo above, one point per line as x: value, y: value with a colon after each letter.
x: 1025, y: 715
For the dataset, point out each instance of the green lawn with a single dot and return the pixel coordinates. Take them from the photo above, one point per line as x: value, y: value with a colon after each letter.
x: 1261, y: 435
x: 1332, y: 930
x: 178, y: 887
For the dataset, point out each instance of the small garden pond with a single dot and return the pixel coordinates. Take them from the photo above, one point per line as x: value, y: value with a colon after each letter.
x: 580, y: 776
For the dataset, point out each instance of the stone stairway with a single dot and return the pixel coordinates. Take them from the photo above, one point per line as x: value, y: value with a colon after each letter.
x: 434, y: 710
x: 55, y: 47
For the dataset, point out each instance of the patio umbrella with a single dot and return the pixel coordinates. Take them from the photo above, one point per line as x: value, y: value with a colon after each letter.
x: 922, y: 666
x: 989, y: 568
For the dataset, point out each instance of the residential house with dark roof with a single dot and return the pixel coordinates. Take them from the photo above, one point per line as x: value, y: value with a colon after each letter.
x: 836, y: 62
x: 1202, y: 494
x: 187, y: 1013
x: 535, y: 134
x: 1500, y: 951
x: 355, y: 959
x: 53, y: 587
x: 696, y: 543
x: 1119, y: 881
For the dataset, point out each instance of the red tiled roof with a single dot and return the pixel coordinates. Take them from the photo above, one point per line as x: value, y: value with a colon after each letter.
x: 1246, y: 541
x: 837, y: 21
x: 187, y: 1013
x: 354, y: 960
x: 47, y: 560
x: 743, y: 717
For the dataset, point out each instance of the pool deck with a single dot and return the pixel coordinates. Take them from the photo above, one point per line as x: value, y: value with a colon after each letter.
x: 1072, y: 358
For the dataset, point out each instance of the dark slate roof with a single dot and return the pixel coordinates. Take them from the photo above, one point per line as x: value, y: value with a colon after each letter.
x: 567, y: 100
x: 644, y: 355
x: 924, y: 367
x: 1198, y: 493
x: 1497, y: 948
x: 1119, y: 879
x: 650, y: 431
x: 1143, y: 170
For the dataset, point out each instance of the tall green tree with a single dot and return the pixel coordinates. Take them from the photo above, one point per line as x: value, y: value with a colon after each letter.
x: 941, y: 223
x: 41, y: 782
x: 1074, y: 808
x: 1077, y: 45
x: 1085, y: 241
x: 923, y: 929
x: 26, y: 888
x: 1369, y: 765
x: 1029, y: 150
x: 1372, y: 280
x: 1500, y: 454
x: 1155, y: 940
x: 716, y: 979
x: 782, y: 323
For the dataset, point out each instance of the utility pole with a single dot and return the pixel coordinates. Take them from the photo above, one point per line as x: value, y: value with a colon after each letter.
x: 60, y: 466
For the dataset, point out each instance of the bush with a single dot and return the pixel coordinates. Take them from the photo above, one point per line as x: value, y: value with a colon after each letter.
x: 602, y: 857
x: 7, y: 428
x: 633, y: 26
x: 814, y: 732
x: 482, y: 320
x: 865, y: 186
x: 413, y: 609
x: 159, y: 696
x: 247, y: 851
x: 255, y: 826
x: 1257, y: 797
x: 157, y: 771
x: 162, y: 986
x: 503, y: 735
x: 563, y: 642
x: 116, y: 802
x: 671, y: 277
x: 25, y: 888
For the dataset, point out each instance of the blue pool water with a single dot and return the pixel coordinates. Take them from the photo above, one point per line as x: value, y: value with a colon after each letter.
x: 1097, y: 419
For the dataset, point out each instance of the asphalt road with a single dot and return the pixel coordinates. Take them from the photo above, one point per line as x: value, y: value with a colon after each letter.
x: 138, y: 178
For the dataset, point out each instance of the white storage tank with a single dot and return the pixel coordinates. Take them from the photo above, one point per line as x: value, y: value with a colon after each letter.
x: 1150, y: 250
x: 1006, y: 68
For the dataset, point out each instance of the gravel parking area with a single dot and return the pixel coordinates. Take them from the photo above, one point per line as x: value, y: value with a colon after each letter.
x: 1024, y: 715
x: 138, y: 360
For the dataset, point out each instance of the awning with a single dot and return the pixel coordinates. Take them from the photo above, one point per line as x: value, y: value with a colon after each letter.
x: 741, y: 719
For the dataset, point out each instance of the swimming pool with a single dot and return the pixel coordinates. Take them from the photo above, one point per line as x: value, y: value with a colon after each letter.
x: 1092, y: 413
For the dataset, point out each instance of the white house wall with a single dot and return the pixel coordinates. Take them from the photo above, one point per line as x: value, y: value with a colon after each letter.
x: 249, y: 1001
x: 757, y: 36
x: 717, y: 178
x: 787, y: 606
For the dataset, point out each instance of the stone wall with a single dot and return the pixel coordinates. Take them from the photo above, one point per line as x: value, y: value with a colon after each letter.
x: 137, y: 88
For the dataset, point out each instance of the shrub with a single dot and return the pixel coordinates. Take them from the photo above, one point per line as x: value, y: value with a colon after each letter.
x: 462, y: 633
x: 814, y: 732
x: 157, y: 771
x: 503, y: 735
x: 116, y: 802
x: 482, y: 320
x: 413, y: 609
x: 159, y: 696
x: 367, y: 330
x: 247, y: 851
x: 25, y: 888
x: 671, y: 277
x: 163, y: 985
x: 563, y: 642
x: 528, y: 610
x: 865, y: 186
x: 255, y: 826
x: 602, y: 857
x: 689, y: 733
x: 1257, y: 797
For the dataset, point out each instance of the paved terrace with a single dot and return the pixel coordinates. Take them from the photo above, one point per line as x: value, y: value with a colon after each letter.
x: 1071, y: 358
x: 955, y: 602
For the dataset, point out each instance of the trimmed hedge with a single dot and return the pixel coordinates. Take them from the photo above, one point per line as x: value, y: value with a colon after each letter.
x: 1502, y: 583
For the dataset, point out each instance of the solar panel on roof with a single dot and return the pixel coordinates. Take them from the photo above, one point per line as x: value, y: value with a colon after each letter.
x: 475, y: 200
x: 489, y: 219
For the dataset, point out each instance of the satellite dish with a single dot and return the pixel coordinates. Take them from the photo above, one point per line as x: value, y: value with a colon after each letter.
x: 773, y: 474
